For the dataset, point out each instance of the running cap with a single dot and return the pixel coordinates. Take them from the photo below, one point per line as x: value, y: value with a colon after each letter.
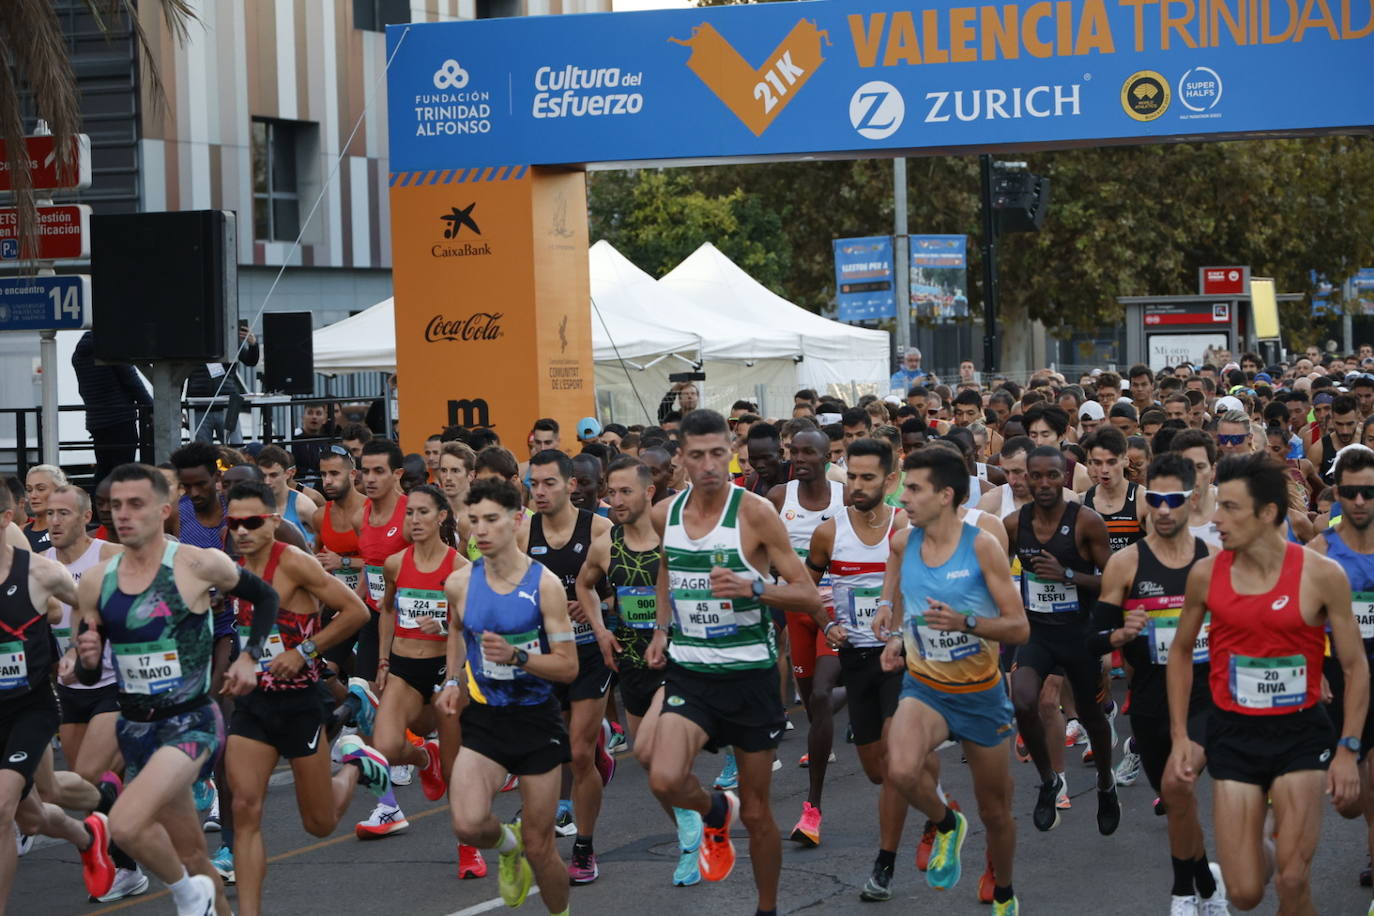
x: 1091, y: 410
x: 1226, y: 404
x: 588, y: 428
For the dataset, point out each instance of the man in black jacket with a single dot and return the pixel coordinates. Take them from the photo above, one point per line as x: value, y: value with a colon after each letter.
x: 113, y: 396
x: 222, y: 380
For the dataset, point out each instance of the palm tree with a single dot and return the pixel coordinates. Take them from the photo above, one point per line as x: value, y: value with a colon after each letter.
x: 33, y: 55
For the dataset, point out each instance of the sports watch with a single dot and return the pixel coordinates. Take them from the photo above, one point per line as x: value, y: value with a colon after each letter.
x: 1350, y: 743
x: 1068, y: 574
x: 346, y: 562
x: 757, y: 588
x: 307, y: 648
x: 521, y: 657
x: 970, y: 621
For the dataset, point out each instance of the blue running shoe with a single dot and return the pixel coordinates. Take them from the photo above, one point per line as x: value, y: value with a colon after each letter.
x: 367, y: 704
x: 374, y: 771
x: 204, y: 794
x: 729, y: 776
x: 223, y: 860
x: 944, y: 868
x: 688, y: 871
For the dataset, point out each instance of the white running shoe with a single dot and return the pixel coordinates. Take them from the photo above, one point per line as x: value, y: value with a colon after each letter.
x: 128, y: 882
x: 1074, y: 733
x: 201, y: 901
x: 211, y: 824
x: 1183, y: 906
x: 1128, y: 770
x: 1062, y: 800
x: 384, y: 820
x: 24, y: 842
x: 1215, y: 905
x: 402, y: 774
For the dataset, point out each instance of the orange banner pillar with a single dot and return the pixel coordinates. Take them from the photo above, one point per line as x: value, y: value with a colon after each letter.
x: 493, y: 315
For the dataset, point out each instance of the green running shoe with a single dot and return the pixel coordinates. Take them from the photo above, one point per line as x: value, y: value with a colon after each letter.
x: 514, y: 873
x: 944, y: 869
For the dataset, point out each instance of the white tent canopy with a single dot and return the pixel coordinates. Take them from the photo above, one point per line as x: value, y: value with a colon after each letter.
x: 364, y: 342
x: 835, y: 353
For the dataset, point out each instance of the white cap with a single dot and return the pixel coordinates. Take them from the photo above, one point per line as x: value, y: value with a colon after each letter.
x: 1227, y: 403
x: 826, y: 419
x: 1123, y: 400
x: 1091, y: 410
x: 893, y: 400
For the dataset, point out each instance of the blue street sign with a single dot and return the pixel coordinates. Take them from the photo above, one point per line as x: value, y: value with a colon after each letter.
x: 45, y: 303
x: 1364, y: 278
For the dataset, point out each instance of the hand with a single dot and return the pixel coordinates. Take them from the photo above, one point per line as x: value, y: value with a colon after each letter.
x: 1136, y: 621
x: 432, y: 625
x: 576, y: 613
x: 88, y: 648
x: 329, y: 560
x: 241, y: 678
x: 726, y: 584
x: 66, y: 669
x: 451, y: 701
x: 656, y: 655
x: 892, y: 658
x: 1181, y: 762
x: 836, y: 635
x: 1046, y: 566
x: 380, y: 681
x: 610, y: 647
x: 286, y: 664
x: 496, y: 649
x: 1343, y: 781
x: 1327, y: 695
x: 940, y: 616
x: 882, y: 622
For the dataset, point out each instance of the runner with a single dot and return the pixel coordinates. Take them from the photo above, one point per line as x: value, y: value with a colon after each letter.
x: 1046, y: 426
x: 1121, y: 504
x: 721, y: 686
x: 627, y: 557
x: 152, y: 604
x: 854, y: 547
x: 558, y: 522
x: 336, y: 541
x: 284, y: 715
x: 1142, y: 594
x: 279, y: 471
x: 803, y: 503
x: 39, y: 483
x: 952, y: 689
x: 1268, y: 738
x: 1345, y: 429
x: 29, y: 587
x: 456, y: 464
x: 1061, y: 545
x: 512, y: 639
x: 1200, y: 449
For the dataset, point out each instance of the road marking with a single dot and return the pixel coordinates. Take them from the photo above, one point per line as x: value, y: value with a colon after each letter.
x: 322, y: 844
x: 492, y: 904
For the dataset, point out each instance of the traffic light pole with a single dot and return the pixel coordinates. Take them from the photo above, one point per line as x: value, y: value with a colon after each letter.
x: 990, y: 346
x: 901, y: 258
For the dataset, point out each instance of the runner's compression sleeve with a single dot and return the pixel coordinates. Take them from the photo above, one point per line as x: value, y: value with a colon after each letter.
x: 265, y: 604
x: 1106, y: 617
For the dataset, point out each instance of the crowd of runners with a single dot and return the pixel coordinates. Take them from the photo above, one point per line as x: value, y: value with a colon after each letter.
x: 969, y: 564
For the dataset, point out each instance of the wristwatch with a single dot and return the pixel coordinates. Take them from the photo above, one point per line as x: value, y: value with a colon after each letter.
x: 970, y: 621
x: 521, y: 657
x: 307, y: 647
x: 452, y: 682
x: 1068, y: 575
x: 1351, y: 744
x: 346, y: 562
x: 254, y: 651
x: 757, y: 588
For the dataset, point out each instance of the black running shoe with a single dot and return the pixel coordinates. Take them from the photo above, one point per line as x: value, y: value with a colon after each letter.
x: 1046, y: 814
x: 878, y: 886
x: 1108, y: 810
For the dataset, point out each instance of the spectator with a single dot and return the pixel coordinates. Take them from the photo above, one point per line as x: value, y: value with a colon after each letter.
x: 113, y: 396
x: 221, y: 380
x: 910, y: 372
x: 310, y: 440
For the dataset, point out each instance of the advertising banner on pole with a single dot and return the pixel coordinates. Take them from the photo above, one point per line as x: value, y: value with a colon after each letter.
x: 939, y: 276
x: 864, y: 278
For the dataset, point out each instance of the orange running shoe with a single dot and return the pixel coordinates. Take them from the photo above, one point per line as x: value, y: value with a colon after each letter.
x: 986, y: 883
x: 717, y: 853
x: 470, y: 863
x: 432, y: 776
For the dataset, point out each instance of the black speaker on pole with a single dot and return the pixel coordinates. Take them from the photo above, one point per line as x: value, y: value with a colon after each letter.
x: 1020, y: 201
x: 165, y: 285
x: 289, y: 351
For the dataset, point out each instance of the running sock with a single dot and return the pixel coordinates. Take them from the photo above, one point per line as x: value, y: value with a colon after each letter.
x: 1203, y: 878
x: 582, y: 845
x: 182, y: 891
x: 715, y: 817
x: 123, y: 860
x: 507, y: 843
x: 940, y: 792
x: 389, y: 798
x: 108, y: 795
x: 1002, y: 894
x: 887, y: 858
x: 950, y: 821
x: 772, y: 912
x: 1183, y: 877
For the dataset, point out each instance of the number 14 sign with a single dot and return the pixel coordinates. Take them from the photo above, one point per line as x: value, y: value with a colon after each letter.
x: 45, y: 303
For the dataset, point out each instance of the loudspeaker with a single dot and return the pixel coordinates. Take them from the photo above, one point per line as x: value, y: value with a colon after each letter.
x: 165, y: 286
x: 1020, y: 201
x: 289, y: 350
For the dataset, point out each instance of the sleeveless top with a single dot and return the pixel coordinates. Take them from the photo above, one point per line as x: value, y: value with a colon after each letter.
x: 1008, y: 501
x: 856, y: 575
x: 975, y: 493
x: 802, y: 522
x: 714, y: 636
x: 193, y: 532
x: 38, y: 540
x: 517, y: 618
x: 1124, y: 527
x: 343, y: 543
x: 1159, y: 591
x: 1328, y: 459
x: 63, y: 631
x: 1266, y: 660
x: 376, y: 543
x: 289, y: 513
x: 421, y: 594
x: 162, y: 650
x: 1049, y: 602
x: 950, y: 661
x: 634, y: 576
x: 290, y: 630
x: 1359, y: 568
x: 26, y: 641
x: 566, y: 562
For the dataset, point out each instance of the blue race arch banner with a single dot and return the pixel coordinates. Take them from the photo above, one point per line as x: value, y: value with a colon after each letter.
x: 824, y: 78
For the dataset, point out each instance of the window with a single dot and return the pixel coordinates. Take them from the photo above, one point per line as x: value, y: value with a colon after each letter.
x: 376, y: 15
x: 276, y: 198
x: 497, y: 9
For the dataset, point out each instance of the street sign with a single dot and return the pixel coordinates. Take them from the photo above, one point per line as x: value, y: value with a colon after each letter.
x: 64, y: 233
x: 44, y: 168
x: 1364, y: 278
x: 45, y: 303
x: 1223, y: 281
x: 1187, y: 313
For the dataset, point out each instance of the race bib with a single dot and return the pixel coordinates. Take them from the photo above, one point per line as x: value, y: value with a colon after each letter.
x: 863, y: 604
x: 272, y: 646
x: 583, y: 633
x: 1362, y: 603
x: 147, y: 668
x: 1161, y: 630
x: 701, y: 616
x: 499, y: 672
x: 1268, y: 683
x: 943, y: 645
x: 64, y: 637
x: 1044, y: 597
x: 348, y: 575
x: 638, y: 606
x: 376, y: 582
x: 414, y: 605
x: 14, y: 668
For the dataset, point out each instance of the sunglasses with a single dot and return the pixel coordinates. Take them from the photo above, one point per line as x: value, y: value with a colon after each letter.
x: 1156, y: 498
x: 1231, y: 439
x: 340, y: 450
x: 247, y: 522
x: 1349, y: 491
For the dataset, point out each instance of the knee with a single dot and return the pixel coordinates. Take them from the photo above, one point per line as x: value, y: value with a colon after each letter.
x: 582, y: 757
x: 1173, y: 790
x: 1244, y: 894
x: 755, y: 816
x: 464, y: 827
x: 247, y: 809
x: 1026, y: 701
x: 995, y: 813
x: 314, y: 825
x: 538, y: 843
x: 820, y: 698
x: 664, y: 781
x: 874, y: 769
x: 126, y: 826
x: 1292, y: 880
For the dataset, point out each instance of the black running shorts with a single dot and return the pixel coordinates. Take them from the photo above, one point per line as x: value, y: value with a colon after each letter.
x: 1154, y: 740
x: 740, y: 709
x: 1259, y: 749
x: 637, y: 689
x: 872, y: 692
x: 422, y: 674
x: 27, y: 724
x: 289, y: 720
x: 80, y: 705
x: 1062, y: 649
x: 594, y: 680
x: 525, y: 740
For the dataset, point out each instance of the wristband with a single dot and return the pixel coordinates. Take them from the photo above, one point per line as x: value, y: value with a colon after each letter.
x: 667, y: 630
x: 452, y: 682
x: 383, y: 663
x: 561, y: 637
x: 883, y: 602
x: 825, y: 630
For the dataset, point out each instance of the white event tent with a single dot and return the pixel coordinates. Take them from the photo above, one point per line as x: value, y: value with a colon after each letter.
x: 834, y: 353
